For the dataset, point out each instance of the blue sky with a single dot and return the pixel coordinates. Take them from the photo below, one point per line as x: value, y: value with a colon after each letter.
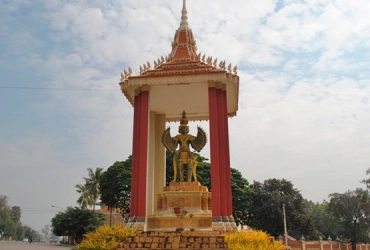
x: 303, y: 102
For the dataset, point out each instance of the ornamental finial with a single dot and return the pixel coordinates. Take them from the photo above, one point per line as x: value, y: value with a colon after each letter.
x: 184, y: 16
x: 184, y: 121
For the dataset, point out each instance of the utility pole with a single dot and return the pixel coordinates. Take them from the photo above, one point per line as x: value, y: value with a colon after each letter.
x: 285, y: 230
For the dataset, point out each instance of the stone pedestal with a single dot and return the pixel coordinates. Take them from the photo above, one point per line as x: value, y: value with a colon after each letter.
x: 192, y: 199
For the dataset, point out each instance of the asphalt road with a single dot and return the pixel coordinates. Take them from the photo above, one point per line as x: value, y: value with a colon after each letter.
x: 20, y: 245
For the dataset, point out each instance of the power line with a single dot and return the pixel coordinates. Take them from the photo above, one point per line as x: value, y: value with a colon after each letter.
x: 37, y: 210
x: 50, y: 88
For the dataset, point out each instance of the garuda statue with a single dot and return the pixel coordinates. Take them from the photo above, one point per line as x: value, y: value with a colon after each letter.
x: 183, y: 156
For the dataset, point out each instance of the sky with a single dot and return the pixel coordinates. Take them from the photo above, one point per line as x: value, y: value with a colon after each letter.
x: 304, y: 111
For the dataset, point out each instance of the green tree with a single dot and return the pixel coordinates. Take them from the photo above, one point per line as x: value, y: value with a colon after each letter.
x: 75, y: 222
x: 92, y: 184
x: 367, y: 181
x: 242, y: 197
x: 16, y: 214
x: 19, y: 233
x: 266, y: 211
x: 169, y: 167
x: 10, y: 222
x: 115, y: 187
x: 204, y: 172
x: 84, y: 200
x: 7, y: 224
x: 325, y: 224
x: 29, y: 233
x: 352, y: 210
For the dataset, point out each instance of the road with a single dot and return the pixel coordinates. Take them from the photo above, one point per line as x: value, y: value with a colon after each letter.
x: 20, y: 245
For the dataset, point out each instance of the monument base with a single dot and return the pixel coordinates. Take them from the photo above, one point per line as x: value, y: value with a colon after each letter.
x: 137, y: 222
x: 182, y: 206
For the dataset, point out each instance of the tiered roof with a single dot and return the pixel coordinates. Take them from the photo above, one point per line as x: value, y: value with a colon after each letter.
x: 181, y: 75
x: 183, y: 58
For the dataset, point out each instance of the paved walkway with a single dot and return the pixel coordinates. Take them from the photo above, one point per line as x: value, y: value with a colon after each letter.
x: 20, y: 245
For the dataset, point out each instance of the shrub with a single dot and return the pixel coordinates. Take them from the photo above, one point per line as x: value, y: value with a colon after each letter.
x: 255, y: 240
x: 106, y: 237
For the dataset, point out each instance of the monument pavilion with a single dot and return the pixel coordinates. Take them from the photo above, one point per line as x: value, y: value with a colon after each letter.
x: 207, y: 90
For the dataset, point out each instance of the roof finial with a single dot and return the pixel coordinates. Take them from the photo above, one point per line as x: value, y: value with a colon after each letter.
x: 184, y: 17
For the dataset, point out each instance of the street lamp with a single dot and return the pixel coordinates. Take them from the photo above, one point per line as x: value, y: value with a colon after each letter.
x: 58, y: 207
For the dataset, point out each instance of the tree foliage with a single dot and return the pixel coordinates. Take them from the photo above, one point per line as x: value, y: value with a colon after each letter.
x: 241, y: 197
x: 107, y: 237
x: 259, y: 205
x: 75, y: 222
x: 325, y: 224
x: 352, y: 210
x: 367, y: 181
x: 6, y: 223
x: 92, y: 184
x: 16, y: 214
x: 115, y: 187
x: 85, y: 199
x: 266, y: 211
x: 90, y: 191
x: 253, y: 240
x: 29, y: 233
x: 10, y: 222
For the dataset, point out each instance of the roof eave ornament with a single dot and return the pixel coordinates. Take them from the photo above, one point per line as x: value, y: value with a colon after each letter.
x: 184, y: 17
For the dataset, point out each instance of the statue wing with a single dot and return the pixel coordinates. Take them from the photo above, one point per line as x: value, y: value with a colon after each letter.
x: 199, y: 141
x: 168, y: 142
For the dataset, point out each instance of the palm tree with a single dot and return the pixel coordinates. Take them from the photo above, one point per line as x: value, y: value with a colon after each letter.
x: 92, y: 184
x: 84, y: 200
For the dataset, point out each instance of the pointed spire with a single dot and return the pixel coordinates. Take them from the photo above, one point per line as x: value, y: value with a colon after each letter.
x: 184, y: 18
x: 183, y: 46
x: 183, y: 59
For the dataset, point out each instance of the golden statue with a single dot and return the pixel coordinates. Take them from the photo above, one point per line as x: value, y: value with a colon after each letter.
x: 184, y: 156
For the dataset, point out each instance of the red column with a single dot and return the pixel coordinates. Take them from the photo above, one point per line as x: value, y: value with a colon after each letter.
x: 220, y: 153
x: 214, y: 152
x: 143, y: 154
x: 139, y: 155
x: 135, y: 155
x: 221, y: 150
x: 227, y: 156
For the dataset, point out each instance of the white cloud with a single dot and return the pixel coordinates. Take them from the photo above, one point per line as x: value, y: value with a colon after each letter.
x: 293, y: 130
